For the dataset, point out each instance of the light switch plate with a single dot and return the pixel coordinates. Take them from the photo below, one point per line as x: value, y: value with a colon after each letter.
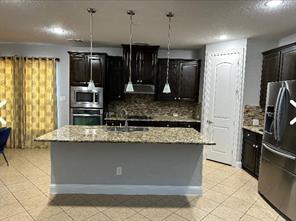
x: 62, y: 98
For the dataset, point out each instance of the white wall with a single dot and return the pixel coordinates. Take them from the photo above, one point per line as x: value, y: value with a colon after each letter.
x: 253, y: 70
x: 287, y: 40
x: 60, y: 51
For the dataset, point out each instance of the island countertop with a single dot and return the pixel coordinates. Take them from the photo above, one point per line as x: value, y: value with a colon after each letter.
x: 164, y: 135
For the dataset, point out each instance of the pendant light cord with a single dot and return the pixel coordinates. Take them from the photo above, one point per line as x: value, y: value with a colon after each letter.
x: 168, y: 54
x: 91, y: 44
x: 130, y: 54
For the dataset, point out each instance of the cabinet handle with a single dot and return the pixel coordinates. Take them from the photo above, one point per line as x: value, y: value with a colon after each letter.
x: 175, y: 98
x: 254, y: 145
x: 168, y: 125
x: 248, y: 135
x: 189, y: 125
x: 179, y: 98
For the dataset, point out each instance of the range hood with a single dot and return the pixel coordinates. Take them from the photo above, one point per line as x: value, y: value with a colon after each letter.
x: 141, y: 89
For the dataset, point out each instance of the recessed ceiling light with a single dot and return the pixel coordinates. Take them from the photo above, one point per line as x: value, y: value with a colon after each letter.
x: 274, y: 3
x: 223, y: 37
x: 57, y: 30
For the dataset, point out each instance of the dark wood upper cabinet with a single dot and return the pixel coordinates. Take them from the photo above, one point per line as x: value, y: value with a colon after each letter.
x: 173, y: 79
x: 80, y: 68
x: 270, y: 70
x: 114, y: 77
x: 279, y: 64
x: 189, y: 80
x: 144, y: 63
x: 183, y: 79
x: 288, y: 64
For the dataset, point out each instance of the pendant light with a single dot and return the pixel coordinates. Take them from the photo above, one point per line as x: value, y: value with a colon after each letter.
x: 167, y: 88
x: 91, y: 84
x: 129, y: 86
x: 2, y: 121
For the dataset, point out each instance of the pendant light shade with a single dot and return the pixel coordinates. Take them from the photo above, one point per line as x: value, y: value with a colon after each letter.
x: 129, y: 87
x: 167, y: 88
x: 91, y: 85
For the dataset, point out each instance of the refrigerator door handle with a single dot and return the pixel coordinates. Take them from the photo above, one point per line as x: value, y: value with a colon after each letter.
x: 282, y: 113
x: 275, y: 119
x: 279, y: 153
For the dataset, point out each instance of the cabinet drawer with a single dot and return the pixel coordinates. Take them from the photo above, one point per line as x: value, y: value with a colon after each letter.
x: 249, y: 135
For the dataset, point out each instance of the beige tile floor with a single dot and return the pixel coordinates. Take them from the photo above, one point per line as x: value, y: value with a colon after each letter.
x: 229, y: 194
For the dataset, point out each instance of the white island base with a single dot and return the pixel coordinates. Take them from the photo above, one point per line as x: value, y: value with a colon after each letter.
x: 147, y: 168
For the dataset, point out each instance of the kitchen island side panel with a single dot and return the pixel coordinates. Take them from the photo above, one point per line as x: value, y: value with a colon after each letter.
x: 142, y: 164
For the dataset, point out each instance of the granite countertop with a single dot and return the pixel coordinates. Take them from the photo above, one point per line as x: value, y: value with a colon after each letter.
x: 165, y: 135
x: 158, y: 118
x: 255, y: 129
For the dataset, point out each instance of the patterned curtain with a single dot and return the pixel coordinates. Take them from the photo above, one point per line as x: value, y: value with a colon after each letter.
x: 29, y: 86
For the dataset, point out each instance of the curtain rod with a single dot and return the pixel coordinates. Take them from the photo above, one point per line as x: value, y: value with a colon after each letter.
x: 43, y: 58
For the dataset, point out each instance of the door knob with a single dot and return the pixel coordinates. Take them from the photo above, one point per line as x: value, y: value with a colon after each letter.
x: 209, y: 122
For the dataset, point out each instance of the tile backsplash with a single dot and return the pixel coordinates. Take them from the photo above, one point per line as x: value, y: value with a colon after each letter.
x: 146, y: 105
x: 253, y: 112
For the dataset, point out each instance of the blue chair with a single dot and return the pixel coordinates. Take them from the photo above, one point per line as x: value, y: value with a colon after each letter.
x: 4, y: 134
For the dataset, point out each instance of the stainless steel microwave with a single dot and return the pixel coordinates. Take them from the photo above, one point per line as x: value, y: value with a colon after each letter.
x: 83, y: 97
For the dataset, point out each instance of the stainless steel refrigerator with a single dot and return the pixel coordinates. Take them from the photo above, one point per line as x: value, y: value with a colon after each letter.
x: 277, y: 174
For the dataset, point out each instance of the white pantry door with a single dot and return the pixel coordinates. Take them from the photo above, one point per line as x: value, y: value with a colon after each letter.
x: 224, y: 77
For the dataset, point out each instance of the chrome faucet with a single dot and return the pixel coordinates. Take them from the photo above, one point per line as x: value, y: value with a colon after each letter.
x: 126, y: 115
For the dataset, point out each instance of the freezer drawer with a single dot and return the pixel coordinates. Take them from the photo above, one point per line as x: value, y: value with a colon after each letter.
x: 278, y: 186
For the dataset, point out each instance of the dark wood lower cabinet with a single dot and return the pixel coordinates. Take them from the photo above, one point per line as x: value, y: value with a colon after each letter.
x: 251, y: 152
x: 194, y: 125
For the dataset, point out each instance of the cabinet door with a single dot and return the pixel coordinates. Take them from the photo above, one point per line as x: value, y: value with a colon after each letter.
x: 173, y: 79
x: 288, y: 64
x: 98, y: 69
x: 249, y: 156
x: 270, y: 73
x: 148, y: 66
x: 258, y: 154
x: 79, y: 75
x: 136, y: 56
x: 115, y: 78
x: 144, y: 63
x: 189, y: 80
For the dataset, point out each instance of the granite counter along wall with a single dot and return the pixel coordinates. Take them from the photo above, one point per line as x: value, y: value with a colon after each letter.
x: 139, y: 105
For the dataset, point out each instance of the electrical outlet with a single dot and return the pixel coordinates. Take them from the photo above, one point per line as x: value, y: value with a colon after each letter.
x: 255, y: 122
x: 118, y: 171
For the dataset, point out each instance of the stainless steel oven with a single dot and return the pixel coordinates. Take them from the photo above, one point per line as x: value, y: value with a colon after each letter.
x: 82, y: 97
x: 86, y: 116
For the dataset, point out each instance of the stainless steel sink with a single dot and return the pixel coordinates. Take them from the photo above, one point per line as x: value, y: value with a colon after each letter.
x: 127, y: 129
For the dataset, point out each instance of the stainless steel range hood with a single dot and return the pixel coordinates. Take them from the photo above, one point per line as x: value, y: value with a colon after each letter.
x: 142, y: 89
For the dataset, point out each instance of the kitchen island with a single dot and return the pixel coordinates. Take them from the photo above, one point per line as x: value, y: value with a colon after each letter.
x: 106, y: 160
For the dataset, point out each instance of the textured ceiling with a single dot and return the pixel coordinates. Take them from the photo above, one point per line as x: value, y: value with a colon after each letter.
x: 195, y: 22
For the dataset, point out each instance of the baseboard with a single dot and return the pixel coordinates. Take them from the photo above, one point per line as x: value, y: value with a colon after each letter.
x: 125, y: 189
x: 237, y: 164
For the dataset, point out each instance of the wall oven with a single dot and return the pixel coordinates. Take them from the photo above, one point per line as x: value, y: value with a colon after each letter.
x: 86, y: 116
x: 82, y: 97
